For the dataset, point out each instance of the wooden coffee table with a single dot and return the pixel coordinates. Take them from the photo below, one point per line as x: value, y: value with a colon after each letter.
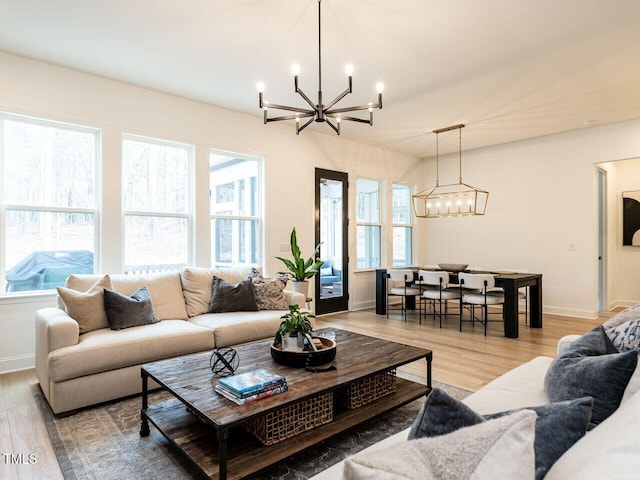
x: 207, y: 428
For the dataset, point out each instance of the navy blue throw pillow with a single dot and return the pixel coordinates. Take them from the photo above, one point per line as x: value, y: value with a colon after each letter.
x: 591, y: 366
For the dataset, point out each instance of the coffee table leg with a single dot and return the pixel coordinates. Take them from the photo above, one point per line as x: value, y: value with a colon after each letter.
x: 428, y: 358
x: 144, y: 427
x: 223, y: 435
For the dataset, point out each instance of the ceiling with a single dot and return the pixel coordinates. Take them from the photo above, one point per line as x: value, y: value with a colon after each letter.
x: 510, y: 70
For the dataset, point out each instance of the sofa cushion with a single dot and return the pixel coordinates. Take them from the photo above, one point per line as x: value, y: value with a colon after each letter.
x: 197, y: 282
x: 520, y: 387
x: 591, y: 367
x: 231, y: 328
x: 165, y: 290
x: 558, y: 425
x: 611, y: 450
x: 226, y: 297
x: 268, y: 293
x: 128, y: 311
x: 500, y: 448
x: 106, y: 349
x: 87, y: 308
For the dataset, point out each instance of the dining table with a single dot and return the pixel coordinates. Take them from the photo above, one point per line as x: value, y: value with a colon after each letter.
x: 511, y: 282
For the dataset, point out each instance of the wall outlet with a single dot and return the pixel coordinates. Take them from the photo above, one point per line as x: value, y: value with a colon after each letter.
x: 284, y: 247
x: 572, y: 247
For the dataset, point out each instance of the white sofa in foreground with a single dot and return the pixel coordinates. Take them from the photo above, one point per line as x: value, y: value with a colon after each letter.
x: 609, y: 451
x: 79, y: 369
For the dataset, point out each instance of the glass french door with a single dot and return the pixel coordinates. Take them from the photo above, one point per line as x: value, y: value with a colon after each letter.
x: 332, y: 283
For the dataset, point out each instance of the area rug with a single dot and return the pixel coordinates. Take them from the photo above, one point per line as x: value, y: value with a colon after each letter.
x: 103, y: 442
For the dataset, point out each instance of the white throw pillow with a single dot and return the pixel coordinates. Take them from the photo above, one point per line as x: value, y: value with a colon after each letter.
x: 496, y: 449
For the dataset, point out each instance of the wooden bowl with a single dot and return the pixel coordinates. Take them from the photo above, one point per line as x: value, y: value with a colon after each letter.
x: 311, y: 358
x: 453, y: 267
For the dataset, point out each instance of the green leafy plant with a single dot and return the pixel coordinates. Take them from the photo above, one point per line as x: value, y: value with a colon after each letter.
x: 296, y: 321
x: 299, y: 268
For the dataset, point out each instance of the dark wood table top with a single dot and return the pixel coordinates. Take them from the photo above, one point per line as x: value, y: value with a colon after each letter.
x: 190, y: 379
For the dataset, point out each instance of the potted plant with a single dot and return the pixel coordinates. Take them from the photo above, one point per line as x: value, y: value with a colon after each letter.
x: 295, y: 326
x: 300, y: 270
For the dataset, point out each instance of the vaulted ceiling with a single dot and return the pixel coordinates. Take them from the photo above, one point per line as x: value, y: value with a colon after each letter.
x: 509, y: 69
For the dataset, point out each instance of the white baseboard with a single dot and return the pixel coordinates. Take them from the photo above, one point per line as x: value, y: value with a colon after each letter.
x: 570, y: 312
x: 363, y: 305
x: 18, y: 362
x: 621, y: 303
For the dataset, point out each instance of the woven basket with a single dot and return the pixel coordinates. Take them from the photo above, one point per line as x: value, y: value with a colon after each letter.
x: 292, y: 420
x: 364, y: 391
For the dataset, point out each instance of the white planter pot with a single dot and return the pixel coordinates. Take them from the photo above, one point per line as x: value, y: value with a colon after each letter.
x: 301, y: 287
x: 293, y: 344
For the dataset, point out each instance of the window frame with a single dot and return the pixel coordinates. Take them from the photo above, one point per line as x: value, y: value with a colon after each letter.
x: 188, y: 215
x: 378, y: 224
x: 259, y: 209
x: 408, y: 226
x: 37, y: 208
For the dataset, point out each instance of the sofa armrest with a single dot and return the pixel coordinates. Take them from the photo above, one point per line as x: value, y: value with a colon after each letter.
x: 55, y: 329
x: 295, y: 298
x: 565, y: 341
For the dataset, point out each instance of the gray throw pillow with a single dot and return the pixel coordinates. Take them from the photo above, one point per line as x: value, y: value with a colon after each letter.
x: 591, y: 366
x: 132, y: 311
x: 558, y: 425
x: 232, y: 298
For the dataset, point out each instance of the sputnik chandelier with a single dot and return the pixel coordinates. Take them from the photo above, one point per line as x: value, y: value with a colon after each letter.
x: 454, y: 199
x: 319, y: 112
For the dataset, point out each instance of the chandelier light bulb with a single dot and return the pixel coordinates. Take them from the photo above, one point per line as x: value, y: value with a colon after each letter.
x: 380, y: 87
x: 260, y: 87
x: 295, y: 69
x: 348, y: 70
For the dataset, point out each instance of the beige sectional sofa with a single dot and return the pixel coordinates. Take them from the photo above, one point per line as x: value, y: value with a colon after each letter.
x: 76, y: 370
x: 609, y: 451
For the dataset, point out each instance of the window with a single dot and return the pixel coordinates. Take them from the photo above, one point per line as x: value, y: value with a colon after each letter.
x: 156, y: 202
x: 48, y: 199
x: 368, y: 226
x: 235, y: 182
x: 402, y: 226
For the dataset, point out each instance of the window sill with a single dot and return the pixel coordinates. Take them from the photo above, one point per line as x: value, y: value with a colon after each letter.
x: 27, y: 297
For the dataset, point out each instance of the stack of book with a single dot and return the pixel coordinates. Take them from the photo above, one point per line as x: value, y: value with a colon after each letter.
x: 250, y: 386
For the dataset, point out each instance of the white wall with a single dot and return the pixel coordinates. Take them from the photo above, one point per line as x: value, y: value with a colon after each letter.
x: 39, y: 89
x: 541, y: 214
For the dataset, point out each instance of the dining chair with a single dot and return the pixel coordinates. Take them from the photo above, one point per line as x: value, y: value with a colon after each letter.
x: 484, y: 282
x: 435, y: 288
x: 402, y: 281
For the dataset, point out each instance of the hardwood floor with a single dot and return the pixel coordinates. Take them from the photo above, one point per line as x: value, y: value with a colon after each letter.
x: 468, y: 360
x: 465, y: 359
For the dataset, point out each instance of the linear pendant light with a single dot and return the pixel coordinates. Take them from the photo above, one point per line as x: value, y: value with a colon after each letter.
x: 319, y: 112
x: 454, y: 199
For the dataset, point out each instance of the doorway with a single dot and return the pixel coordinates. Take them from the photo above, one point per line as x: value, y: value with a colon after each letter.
x: 332, y: 283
